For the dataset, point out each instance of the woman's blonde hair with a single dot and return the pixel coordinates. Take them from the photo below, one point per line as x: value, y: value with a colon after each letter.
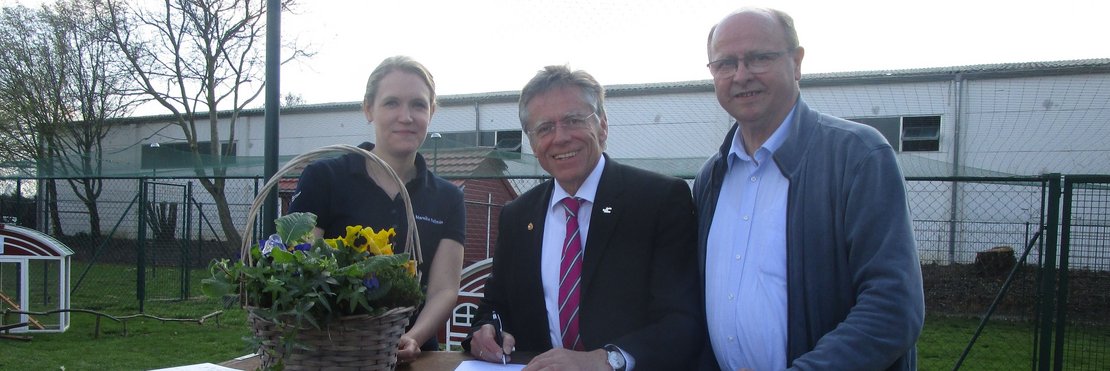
x: 395, y: 63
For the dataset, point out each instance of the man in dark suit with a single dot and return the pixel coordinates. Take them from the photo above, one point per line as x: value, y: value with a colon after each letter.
x: 636, y: 303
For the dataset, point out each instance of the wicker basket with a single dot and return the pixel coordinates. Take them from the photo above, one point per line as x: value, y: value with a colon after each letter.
x: 352, y: 343
x: 360, y: 342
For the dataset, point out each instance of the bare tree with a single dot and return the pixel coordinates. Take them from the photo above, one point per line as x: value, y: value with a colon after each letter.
x: 197, y: 58
x: 61, y: 81
x: 292, y: 100
x: 31, y: 97
x: 96, y: 90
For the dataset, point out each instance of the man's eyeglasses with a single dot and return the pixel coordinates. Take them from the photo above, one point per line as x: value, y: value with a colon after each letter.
x: 570, y: 123
x: 754, y: 62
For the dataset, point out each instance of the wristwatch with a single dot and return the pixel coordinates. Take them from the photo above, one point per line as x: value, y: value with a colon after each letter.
x: 616, y: 358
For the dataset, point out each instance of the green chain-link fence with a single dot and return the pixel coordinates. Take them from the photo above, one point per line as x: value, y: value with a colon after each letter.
x: 963, y: 226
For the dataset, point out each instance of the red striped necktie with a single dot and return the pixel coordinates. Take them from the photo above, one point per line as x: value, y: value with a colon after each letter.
x: 570, y: 277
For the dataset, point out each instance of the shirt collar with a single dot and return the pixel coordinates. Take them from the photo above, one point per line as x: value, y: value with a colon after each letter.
x: 587, y: 191
x: 736, y: 152
x: 357, y: 165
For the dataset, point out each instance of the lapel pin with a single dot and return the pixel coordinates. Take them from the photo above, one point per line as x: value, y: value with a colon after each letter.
x: 607, y: 210
x: 530, y: 226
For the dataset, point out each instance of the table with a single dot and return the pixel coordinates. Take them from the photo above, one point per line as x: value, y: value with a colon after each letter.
x: 428, y: 361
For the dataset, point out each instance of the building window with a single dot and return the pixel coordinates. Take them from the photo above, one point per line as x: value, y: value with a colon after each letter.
x: 178, y: 155
x: 907, y: 133
x: 509, y: 140
x: 921, y: 134
x: 456, y: 140
x: 504, y: 140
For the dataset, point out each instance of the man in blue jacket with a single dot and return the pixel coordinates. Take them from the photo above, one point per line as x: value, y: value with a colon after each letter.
x: 805, y: 245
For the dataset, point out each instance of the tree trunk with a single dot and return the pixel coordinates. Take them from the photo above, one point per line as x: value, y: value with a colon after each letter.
x: 52, y: 208
x: 94, y: 219
x: 90, y: 192
x: 995, y: 262
x: 215, y: 187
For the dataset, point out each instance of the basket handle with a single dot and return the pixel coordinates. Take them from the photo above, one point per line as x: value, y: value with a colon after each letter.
x: 412, y: 241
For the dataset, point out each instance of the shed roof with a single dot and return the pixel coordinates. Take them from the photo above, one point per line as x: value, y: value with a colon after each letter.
x: 25, y: 242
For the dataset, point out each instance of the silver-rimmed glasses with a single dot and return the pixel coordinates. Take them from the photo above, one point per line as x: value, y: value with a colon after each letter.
x: 573, y: 122
x: 753, y: 62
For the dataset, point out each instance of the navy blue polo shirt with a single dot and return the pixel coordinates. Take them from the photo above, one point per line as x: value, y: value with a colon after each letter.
x: 341, y: 194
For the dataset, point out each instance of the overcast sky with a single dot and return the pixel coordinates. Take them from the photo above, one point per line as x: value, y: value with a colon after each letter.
x: 478, y: 46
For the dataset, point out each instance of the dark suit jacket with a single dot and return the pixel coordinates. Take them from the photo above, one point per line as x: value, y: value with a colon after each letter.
x: 639, y: 277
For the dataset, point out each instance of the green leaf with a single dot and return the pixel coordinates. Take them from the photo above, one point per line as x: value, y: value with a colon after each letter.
x: 383, y: 288
x: 282, y: 257
x: 380, y: 263
x: 215, y: 288
x: 294, y: 228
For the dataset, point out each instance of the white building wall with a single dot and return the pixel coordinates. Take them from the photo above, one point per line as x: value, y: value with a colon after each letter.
x: 300, y: 132
x: 1019, y: 126
x: 665, y: 126
x: 459, y: 118
x: 1037, y: 125
x: 891, y: 100
x: 498, y: 116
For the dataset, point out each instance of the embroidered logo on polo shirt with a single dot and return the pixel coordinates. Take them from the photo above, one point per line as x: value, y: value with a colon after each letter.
x: 428, y: 219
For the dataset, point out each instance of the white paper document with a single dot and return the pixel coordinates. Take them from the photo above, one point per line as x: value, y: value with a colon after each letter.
x: 198, y: 367
x: 475, y: 365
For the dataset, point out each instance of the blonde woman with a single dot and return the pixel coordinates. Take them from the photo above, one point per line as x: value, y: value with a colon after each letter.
x: 399, y: 103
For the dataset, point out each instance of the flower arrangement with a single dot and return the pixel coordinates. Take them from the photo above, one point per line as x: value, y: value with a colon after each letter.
x: 299, y: 280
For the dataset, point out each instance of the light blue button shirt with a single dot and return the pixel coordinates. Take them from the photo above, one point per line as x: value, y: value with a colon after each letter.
x: 745, y: 285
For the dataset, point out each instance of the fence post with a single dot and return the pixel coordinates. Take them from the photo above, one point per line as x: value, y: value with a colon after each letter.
x: 953, y: 216
x: 1062, y: 288
x: 185, y: 226
x: 140, y: 279
x: 1048, y: 281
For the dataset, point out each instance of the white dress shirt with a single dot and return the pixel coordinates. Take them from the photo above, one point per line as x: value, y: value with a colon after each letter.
x: 554, y: 232
x: 551, y: 256
x: 745, y: 283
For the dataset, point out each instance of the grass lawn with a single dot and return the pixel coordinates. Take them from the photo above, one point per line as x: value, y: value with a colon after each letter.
x: 137, y: 343
x: 148, y: 343
x: 1002, y: 345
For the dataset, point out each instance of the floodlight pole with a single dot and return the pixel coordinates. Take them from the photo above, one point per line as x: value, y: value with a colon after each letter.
x: 435, y: 152
x: 154, y: 166
x: 273, y: 96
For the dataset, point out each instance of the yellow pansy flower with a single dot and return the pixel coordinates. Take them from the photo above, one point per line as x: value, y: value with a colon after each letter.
x: 410, y: 266
x: 378, y: 242
x: 352, y: 234
x: 365, y: 240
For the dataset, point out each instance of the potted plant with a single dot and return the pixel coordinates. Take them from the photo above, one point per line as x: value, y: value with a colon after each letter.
x: 317, y: 303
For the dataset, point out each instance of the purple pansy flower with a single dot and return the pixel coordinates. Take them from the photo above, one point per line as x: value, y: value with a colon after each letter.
x: 371, y: 283
x: 274, y: 242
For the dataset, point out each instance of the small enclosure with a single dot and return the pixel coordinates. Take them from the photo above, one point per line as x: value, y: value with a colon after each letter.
x: 34, y: 277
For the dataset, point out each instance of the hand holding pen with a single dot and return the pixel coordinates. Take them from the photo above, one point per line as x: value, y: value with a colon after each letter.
x: 502, y: 340
x: 498, y: 337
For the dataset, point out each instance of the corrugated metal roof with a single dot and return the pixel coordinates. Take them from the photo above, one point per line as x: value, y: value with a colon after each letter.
x: 978, y: 71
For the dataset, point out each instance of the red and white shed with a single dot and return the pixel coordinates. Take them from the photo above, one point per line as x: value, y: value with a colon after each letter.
x: 29, y: 258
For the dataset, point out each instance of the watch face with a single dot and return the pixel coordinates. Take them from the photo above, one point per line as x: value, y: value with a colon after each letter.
x: 616, y: 359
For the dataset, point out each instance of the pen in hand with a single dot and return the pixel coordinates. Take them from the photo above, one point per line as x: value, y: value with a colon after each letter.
x: 497, y: 337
